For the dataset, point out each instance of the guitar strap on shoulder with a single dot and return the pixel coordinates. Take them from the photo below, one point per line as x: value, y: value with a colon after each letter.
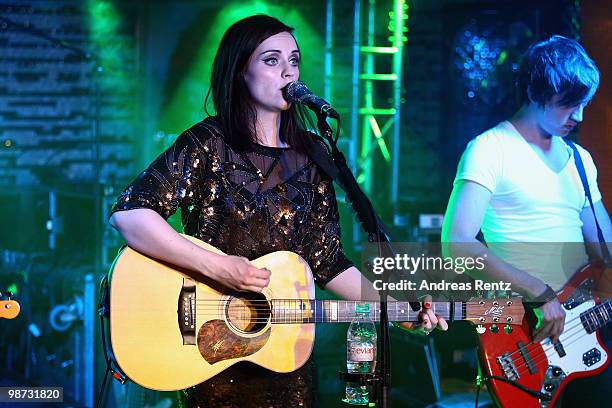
x: 318, y: 151
x: 587, y: 191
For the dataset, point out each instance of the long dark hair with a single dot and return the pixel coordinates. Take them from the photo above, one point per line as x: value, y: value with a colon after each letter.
x: 231, y: 98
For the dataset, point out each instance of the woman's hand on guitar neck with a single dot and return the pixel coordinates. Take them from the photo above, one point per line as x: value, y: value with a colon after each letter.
x: 238, y: 273
x: 352, y: 285
x: 429, y: 321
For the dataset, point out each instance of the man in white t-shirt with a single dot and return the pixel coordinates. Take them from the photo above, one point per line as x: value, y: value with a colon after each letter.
x: 519, y: 185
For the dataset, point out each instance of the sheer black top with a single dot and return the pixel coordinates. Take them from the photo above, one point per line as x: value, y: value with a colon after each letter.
x: 244, y: 203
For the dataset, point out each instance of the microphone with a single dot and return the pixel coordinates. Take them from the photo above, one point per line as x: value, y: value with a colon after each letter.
x: 298, y: 92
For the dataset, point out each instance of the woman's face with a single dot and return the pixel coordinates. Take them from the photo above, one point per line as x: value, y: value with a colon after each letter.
x: 273, y: 64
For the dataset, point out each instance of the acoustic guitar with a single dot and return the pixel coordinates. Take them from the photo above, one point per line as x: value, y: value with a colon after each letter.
x: 169, y: 331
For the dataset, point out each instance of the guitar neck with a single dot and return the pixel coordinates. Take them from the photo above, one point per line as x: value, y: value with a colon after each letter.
x: 342, y: 311
x: 597, y: 316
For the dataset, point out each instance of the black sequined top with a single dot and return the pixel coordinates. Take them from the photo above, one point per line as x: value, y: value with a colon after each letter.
x: 247, y: 204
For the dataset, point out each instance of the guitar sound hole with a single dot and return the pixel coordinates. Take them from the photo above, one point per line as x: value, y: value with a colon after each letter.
x: 248, y: 312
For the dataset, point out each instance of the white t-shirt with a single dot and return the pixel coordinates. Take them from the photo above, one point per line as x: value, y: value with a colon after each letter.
x: 530, y: 203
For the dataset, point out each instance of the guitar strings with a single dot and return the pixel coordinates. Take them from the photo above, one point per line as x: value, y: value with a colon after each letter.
x: 542, y: 352
x: 289, y: 315
x: 216, y: 304
x: 544, y: 348
x: 541, y: 355
x: 599, y: 306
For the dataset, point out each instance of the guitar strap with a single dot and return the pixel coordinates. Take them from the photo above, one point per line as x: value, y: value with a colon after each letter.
x: 318, y: 151
x: 587, y: 191
x: 104, y: 313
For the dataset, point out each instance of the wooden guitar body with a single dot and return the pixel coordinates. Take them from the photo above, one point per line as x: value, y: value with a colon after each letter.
x: 166, y: 345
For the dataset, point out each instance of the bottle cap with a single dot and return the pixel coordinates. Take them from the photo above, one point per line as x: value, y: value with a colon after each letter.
x: 362, y: 308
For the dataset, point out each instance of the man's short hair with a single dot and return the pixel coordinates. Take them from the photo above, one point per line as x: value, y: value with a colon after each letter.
x: 554, y: 66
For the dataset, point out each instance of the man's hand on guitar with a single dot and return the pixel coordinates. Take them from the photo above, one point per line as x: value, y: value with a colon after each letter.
x: 428, y: 320
x: 551, y: 320
x: 238, y: 273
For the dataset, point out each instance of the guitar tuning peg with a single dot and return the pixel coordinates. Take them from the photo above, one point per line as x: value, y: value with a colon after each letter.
x: 480, y: 329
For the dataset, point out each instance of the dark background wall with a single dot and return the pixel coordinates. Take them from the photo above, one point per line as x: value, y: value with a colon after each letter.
x: 596, y: 131
x: 74, y: 135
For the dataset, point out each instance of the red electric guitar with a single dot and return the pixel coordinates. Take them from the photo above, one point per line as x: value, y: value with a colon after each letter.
x: 521, y: 373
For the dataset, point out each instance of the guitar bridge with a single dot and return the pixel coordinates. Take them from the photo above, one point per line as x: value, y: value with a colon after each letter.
x: 186, y: 312
x: 560, y: 349
x: 508, y: 367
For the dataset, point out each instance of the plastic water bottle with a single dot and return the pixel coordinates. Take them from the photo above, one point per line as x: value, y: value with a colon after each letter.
x: 360, y: 353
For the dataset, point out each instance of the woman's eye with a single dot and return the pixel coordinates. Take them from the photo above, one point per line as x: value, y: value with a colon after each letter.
x: 271, y: 61
x: 295, y: 61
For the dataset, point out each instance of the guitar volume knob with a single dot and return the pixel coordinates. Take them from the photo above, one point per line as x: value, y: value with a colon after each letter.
x: 557, y: 371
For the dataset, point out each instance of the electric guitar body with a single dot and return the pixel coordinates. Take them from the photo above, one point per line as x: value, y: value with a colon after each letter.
x: 524, y: 374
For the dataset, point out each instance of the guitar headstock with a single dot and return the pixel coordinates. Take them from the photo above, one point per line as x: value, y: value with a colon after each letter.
x: 9, y: 309
x: 499, y: 311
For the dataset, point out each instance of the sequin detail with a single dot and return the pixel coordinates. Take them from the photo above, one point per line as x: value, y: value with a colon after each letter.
x: 247, y: 204
x: 246, y: 385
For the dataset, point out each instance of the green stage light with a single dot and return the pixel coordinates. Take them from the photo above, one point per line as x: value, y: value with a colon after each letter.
x: 12, y: 288
x: 104, y: 21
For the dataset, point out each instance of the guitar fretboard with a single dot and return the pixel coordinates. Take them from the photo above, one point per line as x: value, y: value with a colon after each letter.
x: 331, y: 311
x: 597, y: 316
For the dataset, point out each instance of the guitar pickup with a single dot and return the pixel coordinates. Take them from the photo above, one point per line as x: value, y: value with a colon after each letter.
x: 186, y: 312
x: 527, y: 357
x: 560, y: 349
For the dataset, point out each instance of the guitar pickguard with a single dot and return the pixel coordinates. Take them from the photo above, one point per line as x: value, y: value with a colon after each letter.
x: 576, y: 344
x: 217, y: 342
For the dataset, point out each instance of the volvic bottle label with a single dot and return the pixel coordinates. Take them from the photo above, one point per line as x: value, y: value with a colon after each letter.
x: 361, y: 351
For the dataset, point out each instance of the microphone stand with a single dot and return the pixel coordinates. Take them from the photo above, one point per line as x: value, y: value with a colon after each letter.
x: 365, y: 213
